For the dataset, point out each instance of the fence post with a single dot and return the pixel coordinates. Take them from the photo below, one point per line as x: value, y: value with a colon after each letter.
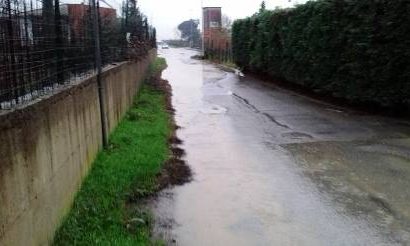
x: 101, y: 88
x: 10, y: 33
x: 59, y: 42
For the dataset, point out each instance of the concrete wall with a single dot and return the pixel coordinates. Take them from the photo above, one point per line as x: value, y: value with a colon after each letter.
x: 47, y: 148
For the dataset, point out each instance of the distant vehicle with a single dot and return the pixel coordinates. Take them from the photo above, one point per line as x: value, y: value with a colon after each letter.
x: 164, y: 46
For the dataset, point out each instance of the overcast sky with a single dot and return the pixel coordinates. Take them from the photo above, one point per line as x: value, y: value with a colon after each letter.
x: 165, y: 15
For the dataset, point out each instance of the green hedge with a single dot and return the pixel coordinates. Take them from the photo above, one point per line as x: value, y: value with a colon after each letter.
x: 353, y: 49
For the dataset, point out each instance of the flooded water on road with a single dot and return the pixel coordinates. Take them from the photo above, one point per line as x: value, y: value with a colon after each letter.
x: 275, y: 168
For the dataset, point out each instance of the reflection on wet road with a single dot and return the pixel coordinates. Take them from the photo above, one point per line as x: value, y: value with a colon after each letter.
x: 275, y: 168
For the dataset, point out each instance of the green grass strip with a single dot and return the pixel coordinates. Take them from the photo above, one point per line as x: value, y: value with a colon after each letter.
x: 138, y: 150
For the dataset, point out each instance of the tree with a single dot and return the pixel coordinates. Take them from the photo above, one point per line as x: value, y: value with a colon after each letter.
x: 146, y: 28
x: 154, y: 38
x: 190, y: 32
x: 263, y: 7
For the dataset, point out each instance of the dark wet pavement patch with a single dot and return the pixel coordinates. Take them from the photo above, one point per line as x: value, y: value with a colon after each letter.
x: 370, y: 180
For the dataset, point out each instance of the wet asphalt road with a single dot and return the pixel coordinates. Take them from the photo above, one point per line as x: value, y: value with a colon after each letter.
x: 275, y: 168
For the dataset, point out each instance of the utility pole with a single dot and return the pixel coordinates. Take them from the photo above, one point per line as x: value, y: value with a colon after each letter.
x: 101, y: 89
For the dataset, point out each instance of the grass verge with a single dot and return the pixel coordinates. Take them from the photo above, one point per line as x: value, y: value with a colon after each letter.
x: 129, y: 169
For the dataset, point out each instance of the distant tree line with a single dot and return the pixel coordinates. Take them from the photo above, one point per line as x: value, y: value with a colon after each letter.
x: 178, y: 43
x: 357, y: 50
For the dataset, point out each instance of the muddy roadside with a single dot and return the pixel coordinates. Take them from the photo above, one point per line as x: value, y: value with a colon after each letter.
x: 174, y: 172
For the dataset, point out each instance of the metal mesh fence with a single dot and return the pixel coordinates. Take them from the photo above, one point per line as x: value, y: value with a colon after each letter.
x: 45, y: 45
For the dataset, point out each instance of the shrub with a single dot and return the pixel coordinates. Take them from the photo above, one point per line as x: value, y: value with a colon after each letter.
x: 357, y: 50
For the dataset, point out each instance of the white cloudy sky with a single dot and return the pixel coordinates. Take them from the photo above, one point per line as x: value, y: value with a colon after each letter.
x: 165, y: 15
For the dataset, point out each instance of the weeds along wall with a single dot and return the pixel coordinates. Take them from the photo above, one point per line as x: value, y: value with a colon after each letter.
x: 48, y: 147
x: 357, y: 50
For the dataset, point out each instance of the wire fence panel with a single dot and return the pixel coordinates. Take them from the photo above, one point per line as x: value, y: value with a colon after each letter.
x: 43, y: 47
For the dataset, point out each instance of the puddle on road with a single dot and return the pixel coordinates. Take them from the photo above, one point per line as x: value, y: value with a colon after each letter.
x: 266, y: 171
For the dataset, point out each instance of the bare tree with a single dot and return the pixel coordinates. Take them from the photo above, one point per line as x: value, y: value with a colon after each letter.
x: 227, y: 23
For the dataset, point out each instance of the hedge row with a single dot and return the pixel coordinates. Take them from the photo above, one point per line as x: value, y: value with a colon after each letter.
x: 358, y: 50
